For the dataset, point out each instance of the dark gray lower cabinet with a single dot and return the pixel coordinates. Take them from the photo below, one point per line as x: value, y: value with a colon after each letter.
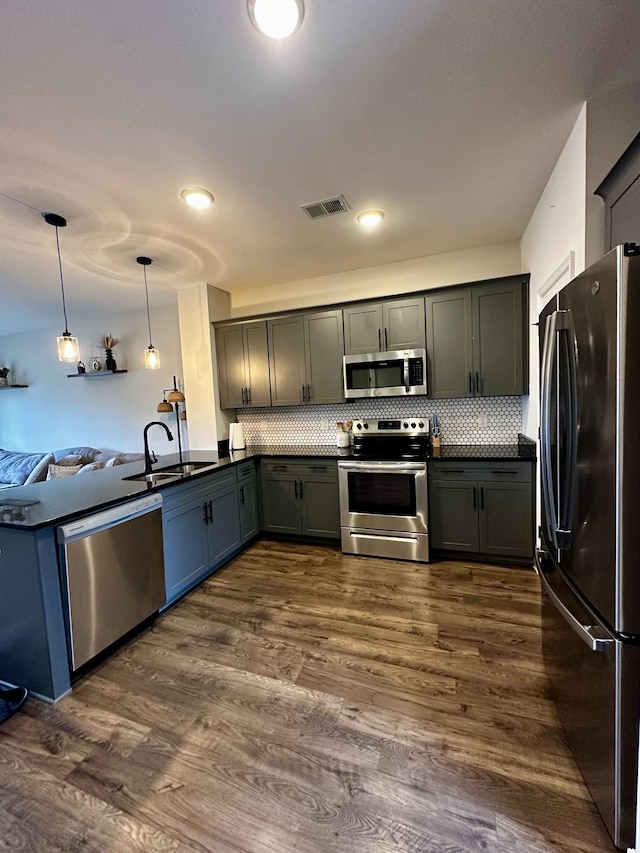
x: 482, y: 508
x: 300, y: 497
x: 201, y: 529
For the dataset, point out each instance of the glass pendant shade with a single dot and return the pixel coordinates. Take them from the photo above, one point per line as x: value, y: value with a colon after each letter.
x: 68, y: 348
x: 151, y: 358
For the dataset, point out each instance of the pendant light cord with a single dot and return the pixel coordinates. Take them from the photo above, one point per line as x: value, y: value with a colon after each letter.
x: 64, y: 304
x: 146, y: 293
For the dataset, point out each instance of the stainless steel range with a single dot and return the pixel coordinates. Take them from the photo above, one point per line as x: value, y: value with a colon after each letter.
x: 383, y: 490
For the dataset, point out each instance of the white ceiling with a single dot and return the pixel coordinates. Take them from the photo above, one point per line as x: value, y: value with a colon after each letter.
x: 447, y: 114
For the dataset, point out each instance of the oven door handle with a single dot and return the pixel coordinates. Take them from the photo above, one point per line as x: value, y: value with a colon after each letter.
x: 393, y: 467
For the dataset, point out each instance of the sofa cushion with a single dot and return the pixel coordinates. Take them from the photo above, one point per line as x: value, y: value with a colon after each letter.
x: 86, y: 454
x: 55, y: 472
x: 19, y: 469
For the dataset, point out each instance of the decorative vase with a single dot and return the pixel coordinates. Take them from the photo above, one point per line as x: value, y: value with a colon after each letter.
x: 110, y: 362
x: 4, y: 381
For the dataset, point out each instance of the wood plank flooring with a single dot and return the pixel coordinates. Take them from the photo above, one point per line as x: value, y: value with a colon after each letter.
x: 302, y: 700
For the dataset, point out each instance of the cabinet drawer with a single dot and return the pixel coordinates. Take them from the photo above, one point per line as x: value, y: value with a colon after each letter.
x: 300, y: 467
x: 246, y: 470
x: 498, y: 472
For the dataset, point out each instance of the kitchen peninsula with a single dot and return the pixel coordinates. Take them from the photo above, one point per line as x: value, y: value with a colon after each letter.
x: 208, y: 517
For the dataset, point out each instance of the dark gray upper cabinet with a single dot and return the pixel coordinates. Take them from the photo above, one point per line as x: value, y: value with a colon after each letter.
x: 387, y: 325
x: 449, y: 343
x: 477, y: 341
x: 324, y: 348
x: 243, y: 365
x: 286, y: 360
x: 621, y: 193
x: 305, y: 354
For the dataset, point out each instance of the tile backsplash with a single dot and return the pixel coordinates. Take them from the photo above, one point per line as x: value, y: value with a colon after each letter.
x: 460, y: 419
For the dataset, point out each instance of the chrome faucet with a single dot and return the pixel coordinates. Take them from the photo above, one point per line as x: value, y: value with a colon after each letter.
x: 148, y: 461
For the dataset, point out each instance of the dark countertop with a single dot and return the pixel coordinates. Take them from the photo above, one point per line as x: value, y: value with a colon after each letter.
x: 56, y: 501
x: 473, y: 452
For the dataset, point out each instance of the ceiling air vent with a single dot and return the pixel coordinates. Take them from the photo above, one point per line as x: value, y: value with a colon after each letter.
x: 326, y: 207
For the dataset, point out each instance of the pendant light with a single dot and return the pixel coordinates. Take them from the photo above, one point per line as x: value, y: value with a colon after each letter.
x: 151, y: 354
x: 68, y: 348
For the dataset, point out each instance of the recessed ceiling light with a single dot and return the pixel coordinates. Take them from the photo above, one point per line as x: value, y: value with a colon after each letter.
x: 277, y: 19
x: 196, y: 197
x: 370, y: 218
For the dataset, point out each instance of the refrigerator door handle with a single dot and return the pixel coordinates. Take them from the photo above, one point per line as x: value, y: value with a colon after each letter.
x: 546, y: 463
x: 566, y: 476
x: 595, y: 637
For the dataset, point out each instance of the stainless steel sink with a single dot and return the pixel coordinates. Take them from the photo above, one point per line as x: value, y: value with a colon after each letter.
x: 171, y: 472
x: 155, y: 477
x: 186, y: 467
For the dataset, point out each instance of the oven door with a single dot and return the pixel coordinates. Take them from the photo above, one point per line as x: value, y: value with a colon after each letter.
x: 383, y: 495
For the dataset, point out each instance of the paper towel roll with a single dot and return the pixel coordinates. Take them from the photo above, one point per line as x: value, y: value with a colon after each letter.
x: 236, y: 437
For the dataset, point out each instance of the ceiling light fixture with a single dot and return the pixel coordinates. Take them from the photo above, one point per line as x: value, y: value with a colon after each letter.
x: 197, y: 197
x: 370, y: 218
x: 151, y: 354
x: 68, y: 348
x: 277, y: 19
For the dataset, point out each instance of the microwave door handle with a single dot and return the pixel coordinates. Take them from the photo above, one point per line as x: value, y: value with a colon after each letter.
x: 407, y: 387
x: 546, y: 463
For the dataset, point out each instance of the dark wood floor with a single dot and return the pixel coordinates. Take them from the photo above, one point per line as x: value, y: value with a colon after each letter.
x: 302, y: 700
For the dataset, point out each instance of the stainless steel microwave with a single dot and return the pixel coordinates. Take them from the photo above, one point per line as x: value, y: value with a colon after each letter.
x: 385, y: 374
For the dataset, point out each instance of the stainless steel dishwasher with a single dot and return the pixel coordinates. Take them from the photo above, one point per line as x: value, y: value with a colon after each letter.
x: 112, y: 572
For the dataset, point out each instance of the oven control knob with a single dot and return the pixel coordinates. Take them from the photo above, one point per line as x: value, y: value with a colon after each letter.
x: 405, y: 425
x: 366, y: 426
x: 421, y: 425
x: 413, y: 425
x: 359, y: 426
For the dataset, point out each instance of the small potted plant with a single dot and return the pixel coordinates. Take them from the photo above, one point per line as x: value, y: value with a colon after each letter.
x: 4, y: 372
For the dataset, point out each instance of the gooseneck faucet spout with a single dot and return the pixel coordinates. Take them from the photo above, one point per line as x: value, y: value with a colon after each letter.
x: 147, y: 456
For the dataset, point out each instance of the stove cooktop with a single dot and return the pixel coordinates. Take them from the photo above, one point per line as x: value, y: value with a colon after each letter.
x: 399, y: 438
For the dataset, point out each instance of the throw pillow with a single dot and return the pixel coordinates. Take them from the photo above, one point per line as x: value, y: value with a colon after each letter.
x: 71, y: 459
x: 55, y: 472
x: 19, y: 469
x: 91, y: 466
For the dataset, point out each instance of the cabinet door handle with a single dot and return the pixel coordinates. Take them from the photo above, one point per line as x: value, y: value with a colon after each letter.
x: 210, y: 511
x: 379, y: 340
x: 242, y: 495
x: 477, y: 382
x: 474, y: 497
x: 248, y: 393
x: 301, y: 491
x: 318, y: 468
x: 295, y: 486
x: 304, y: 398
x: 386, y: 343
x: 481, y: 497
x: 242, y: 392
x: 279, y: 468
x: 308, y: 393
x: 470, y: 383
x: 505, y: 471
x: 205, y: 514
x: 453, y: 471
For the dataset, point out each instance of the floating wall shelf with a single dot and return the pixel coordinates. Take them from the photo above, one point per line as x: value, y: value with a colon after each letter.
x: 12, y: 386
x: 94, y: 373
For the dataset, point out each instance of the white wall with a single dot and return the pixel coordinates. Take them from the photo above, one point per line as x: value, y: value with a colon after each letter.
x: 386, y: 280
x: 110, y: 411
x: 553, y: 246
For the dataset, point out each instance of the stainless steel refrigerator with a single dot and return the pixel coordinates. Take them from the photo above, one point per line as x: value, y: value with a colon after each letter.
x: 589, y: 559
